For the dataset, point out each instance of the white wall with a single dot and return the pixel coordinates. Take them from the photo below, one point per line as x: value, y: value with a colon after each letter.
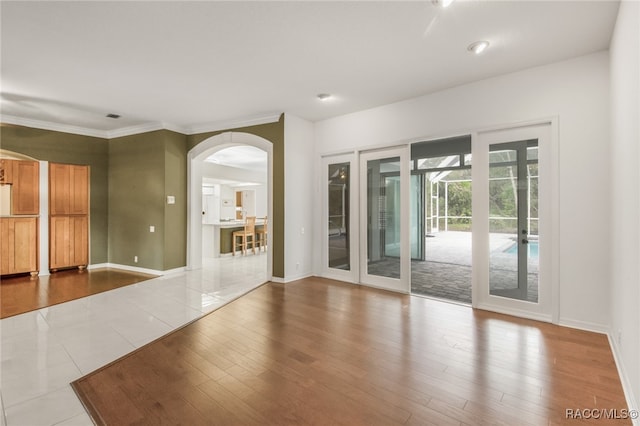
x: 577, y: 92
x: 229, y: 194
x: 262, y: 200
x: 240, y: 175
x: 625, y: 195
x: 299, y: 197
x: 233, y: 173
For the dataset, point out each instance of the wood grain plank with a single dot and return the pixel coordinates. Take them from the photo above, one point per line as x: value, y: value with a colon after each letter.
x: 321, y: 352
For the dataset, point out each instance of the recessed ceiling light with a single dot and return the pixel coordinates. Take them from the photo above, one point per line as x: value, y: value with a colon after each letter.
x: 324, y: 96
x: 110, y: 115
x: 478, y: 47
x: 442, y: 3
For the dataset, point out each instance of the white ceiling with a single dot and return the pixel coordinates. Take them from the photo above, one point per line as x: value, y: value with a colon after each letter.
x: 242, y: 157
x: 196, y: 66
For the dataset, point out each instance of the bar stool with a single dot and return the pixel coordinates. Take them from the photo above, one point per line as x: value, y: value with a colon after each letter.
x: 247, y: 236
x: 261, y: 235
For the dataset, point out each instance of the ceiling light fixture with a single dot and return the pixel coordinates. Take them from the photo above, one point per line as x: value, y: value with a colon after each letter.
x: 324, y: 97
x: 478, y: 47
x: 443, y: 3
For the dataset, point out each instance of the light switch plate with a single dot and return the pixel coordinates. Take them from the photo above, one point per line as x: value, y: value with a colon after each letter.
x: 152, y: 228
x: 171, y: 199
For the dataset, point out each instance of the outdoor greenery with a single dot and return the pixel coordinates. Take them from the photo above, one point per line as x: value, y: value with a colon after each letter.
x: 459, y: 198
x: 503, y: 205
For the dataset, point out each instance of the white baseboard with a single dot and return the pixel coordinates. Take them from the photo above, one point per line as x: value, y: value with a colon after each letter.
x: 137, y: 269
x: 624, y: 379
x: 584, y: 325
x: 515, y: 312
x: 290, y: 279
x: 336, y: 277
x: 98, y: 266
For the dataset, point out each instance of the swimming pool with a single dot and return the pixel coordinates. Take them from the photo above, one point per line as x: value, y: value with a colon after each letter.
x: 532, y: 247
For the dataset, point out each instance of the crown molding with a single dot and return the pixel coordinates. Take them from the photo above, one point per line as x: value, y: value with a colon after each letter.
x: 133, y: 130
x: 175, y: 128
x: 56, y: 127
x: 104, y: 134
x: 234, y: 124
x: 140, y: 128
x: 143, y: 128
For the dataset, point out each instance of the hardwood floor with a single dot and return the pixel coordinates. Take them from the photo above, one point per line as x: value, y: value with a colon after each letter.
x: 322, y: 352
x: 20, y: 294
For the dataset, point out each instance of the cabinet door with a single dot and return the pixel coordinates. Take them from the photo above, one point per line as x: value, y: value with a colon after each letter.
x: 6, y: 171
x: 25, y: 194
x: 79, y: 191
x: 59, y: 189
x: 18, y: 245
x: 25, y: 245
x: 6, y: 246
x: 79, y: 239
x: 69, y: 244
x: 60, y: 242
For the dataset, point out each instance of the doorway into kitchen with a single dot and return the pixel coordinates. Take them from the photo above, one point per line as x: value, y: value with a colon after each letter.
x: 229, y: 181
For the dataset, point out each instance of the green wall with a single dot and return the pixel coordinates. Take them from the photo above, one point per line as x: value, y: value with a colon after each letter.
x: 273, y: 132
x: 60, y: 147
x: 143, y: 170
x: 175, y: 218
x: 131, y: 177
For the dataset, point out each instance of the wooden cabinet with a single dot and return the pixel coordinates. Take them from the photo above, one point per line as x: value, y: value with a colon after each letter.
x: 24, y: 178
x: 19, y: 245
x: 69, y: 242
x: 68, y: 216
x: 79, y: 194
x: 19, y: 232
x: 6, y: 171
x: 238, y: 205
x: 25, y: 194
x: 68, y: 189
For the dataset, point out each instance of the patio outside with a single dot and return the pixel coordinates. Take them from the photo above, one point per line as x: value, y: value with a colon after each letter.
x: 446, y: 271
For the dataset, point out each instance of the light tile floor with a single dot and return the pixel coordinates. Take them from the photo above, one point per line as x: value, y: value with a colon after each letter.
x: 43, y: 351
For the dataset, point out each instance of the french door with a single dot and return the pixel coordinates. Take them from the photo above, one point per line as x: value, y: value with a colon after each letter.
x: 385, y: 243
x: 513, y: 223
x: 340, y: 247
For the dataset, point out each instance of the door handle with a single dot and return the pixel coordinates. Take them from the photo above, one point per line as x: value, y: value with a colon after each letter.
x: 525, y: 241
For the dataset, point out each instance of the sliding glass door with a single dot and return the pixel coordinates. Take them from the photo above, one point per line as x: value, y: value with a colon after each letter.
x: 384, y: 219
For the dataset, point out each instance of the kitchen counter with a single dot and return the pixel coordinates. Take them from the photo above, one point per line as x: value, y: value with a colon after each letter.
x: 217, y: 236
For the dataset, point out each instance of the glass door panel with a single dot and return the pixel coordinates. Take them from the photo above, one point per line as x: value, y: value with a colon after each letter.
x: 339, y: 255
x: 417, y: 216
x: 503, y: 223
x: 384, y: 218
x: 513, y: 270
x: 338, y: 191
x: 383, y: 211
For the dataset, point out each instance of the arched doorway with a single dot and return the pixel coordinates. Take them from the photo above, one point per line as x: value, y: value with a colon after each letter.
x: 196, y: 157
